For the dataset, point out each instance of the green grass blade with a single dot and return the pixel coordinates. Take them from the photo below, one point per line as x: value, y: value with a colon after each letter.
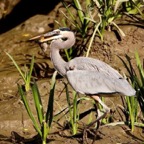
x: 72, y: 16
x: 92, y: 39
x: 118, y: 3
x: 69, y: 106
x: 79, y: 9
x: 45, y: 132
x: 67, y: 95
x: 75, y: 113
x: 140, y: 68
x: 128, y: 66
x: 130, y: 112
x: 28, y: 75
x: 49, y: 114
x: 38, y: 103
x: 30, y: 70
x: 17, y: 67
x: 137, y: 79
x: 26, y: 104
x: 140, y: 83
x: 67, y: 55
x: 132, y: 104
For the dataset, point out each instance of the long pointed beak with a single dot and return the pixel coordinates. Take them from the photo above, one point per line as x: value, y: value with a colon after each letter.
x: 47, y: 36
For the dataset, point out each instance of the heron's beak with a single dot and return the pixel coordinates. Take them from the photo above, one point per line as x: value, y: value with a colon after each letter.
x: 47, y: 36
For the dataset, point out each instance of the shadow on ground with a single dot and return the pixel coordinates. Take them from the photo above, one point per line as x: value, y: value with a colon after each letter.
x: 24, y: 10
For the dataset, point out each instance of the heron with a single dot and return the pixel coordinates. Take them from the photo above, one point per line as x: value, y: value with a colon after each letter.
x: 86, y: 75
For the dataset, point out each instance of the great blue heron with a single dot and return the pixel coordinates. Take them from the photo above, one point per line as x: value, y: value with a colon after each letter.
x: 86, y: 75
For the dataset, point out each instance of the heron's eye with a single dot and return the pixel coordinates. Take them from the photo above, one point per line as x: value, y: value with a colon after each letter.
x: 64, y: 38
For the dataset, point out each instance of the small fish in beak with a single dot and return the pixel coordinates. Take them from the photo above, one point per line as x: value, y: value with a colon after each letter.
x: 47, y: 36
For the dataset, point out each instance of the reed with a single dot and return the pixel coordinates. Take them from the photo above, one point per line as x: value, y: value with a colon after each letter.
x: 136, y: 77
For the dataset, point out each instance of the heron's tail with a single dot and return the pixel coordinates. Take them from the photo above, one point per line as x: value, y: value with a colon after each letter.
x: 126, y: 88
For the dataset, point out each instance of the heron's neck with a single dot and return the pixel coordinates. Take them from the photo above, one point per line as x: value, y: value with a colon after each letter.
x: 58, y: 62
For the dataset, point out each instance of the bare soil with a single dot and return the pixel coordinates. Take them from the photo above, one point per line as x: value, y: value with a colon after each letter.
x: 15, y: 125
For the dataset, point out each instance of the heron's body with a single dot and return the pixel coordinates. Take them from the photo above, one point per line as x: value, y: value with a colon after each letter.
x: 93, y: 76
x: 86, y: 75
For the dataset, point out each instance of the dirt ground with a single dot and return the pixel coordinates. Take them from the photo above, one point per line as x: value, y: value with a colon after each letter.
x: 15, y: 125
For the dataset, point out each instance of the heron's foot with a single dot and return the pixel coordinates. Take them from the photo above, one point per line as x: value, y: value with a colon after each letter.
x: 87, y: 132
x: 90, y: 132
x: 97, y: 122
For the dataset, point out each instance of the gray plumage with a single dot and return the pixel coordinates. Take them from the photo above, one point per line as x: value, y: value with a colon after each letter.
x: 92, y: 76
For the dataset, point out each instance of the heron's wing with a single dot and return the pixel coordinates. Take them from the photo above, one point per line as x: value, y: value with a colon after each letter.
x: 90, y: 64
x: 90, y: 82
x: 92, y: 76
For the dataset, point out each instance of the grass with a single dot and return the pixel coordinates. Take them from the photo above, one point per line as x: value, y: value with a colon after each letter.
x: 73, y: 111
x: 140, y: 82
x: 108, y: 11
x: 133, y: 7
x: 136, y: 77
x: 79, y: 22
x: 26, y: 75
x: 99, y: 16
x: 42, y: 122
x: 130, y: 109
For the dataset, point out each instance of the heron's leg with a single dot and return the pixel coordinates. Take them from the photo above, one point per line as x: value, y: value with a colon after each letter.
x: 105, y: 107
x: 106, y: 110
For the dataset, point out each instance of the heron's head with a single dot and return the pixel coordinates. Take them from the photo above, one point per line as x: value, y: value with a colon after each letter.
x: 62, y: 33
x: 61, y: 38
